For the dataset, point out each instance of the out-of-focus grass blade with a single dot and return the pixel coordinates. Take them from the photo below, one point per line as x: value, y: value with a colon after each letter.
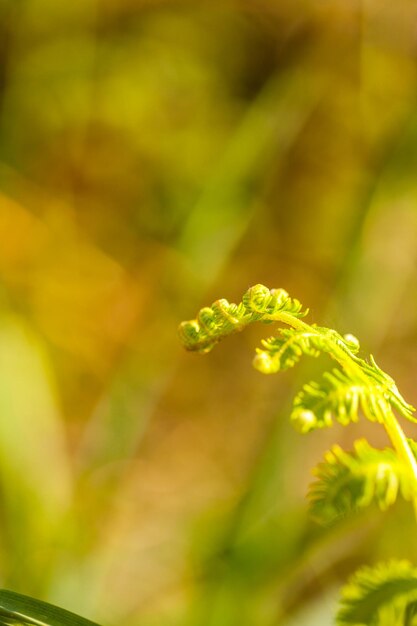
x: 227, y: 203
x: 18, y: 609
x: 34, y: 465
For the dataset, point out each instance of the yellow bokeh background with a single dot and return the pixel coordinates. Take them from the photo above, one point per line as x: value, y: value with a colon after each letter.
x: 155, y: 156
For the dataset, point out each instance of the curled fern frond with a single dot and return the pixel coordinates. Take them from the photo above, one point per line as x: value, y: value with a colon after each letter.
x: 284, y: 351
x: 372, y: 589
x: 261, y: 301
x: 385, y: 595
x: 224, y: 318
x: 359, y: 385
x: 347, y: 482
x: 212, y: 324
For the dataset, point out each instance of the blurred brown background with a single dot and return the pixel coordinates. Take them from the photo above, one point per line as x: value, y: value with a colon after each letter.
x: 155, y: 156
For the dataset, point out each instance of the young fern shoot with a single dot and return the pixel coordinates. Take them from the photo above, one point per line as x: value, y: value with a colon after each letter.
x: 385, y: 595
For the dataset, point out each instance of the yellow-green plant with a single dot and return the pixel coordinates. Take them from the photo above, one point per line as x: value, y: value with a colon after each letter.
x: 19, y: 610
x: 386, y: 594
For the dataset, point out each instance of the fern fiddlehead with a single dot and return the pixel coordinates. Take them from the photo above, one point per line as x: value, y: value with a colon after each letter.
x: 358, y: 382
x: 345, y: 482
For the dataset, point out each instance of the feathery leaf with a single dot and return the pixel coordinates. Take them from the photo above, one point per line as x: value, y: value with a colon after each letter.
x: 347, y: 482
x: 284, y: 351
x: 371, y: 589
x: 339, y: 396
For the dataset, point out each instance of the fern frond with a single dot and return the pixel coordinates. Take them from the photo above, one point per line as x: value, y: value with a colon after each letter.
x: 224, y: 318
x: 284, y: 351
x: 263, y: 302
x: 212, y: 324
x: 358, y: 386
x: 361, y: 385
x: 385, y: 595
x: 347, y: 482
x: 392, y: 393
x: 338, y: 396
x: 372, y: 589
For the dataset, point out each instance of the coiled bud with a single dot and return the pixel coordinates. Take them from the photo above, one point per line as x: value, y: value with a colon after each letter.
x: 352, y: 342
x: 265, y: 363
x: 256, y: 298
x: 225, y: 315
x: 262, y: 301
x: 280, y: 295
x: 304, y: 420
x: 220, y: 309
x: 194, y: 338
x: 189, y: 333
x: 207, y: 319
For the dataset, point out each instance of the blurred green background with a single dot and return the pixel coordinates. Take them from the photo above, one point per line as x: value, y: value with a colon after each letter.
x: 155, y: 156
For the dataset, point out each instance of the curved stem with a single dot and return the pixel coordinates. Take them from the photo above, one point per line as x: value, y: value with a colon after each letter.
x: 400, y: 444
x: 345, y: 360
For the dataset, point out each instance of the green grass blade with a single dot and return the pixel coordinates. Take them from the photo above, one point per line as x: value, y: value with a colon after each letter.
x: 18, y: 609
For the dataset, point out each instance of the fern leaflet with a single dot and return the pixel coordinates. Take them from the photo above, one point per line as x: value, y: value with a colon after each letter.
x: 340, y: 396
x: 371, y: 589
x: 347, y: 482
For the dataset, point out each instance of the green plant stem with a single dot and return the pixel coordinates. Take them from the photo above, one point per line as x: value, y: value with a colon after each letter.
x: 390, y: 422
x: 400, y: 444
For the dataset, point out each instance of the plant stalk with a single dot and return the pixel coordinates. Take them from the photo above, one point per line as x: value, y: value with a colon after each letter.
x: 402, y: 448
